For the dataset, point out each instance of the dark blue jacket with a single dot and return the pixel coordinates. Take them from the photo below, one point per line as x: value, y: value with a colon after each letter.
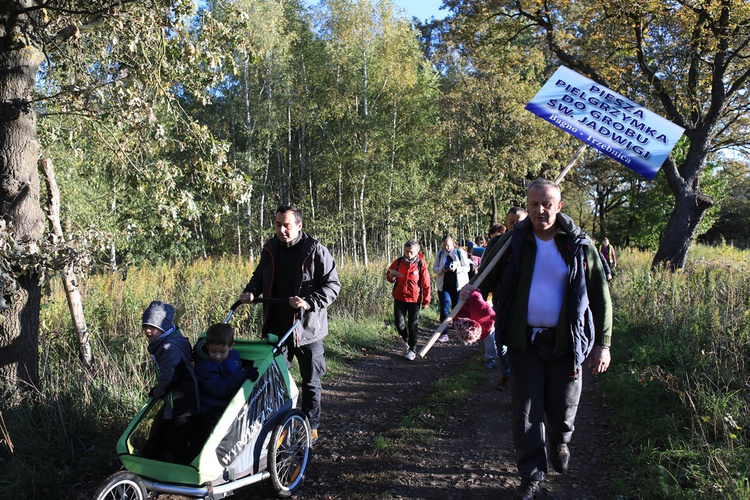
x: 218, y: 382
x: 586, y: 318
x: 176, y: 383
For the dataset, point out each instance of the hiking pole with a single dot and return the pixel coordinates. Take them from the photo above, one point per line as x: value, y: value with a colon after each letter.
x: 448, y: 319
x: 461, y: 302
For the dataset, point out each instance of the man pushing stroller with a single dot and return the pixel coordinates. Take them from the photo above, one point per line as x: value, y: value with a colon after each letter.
x: 296, y: 266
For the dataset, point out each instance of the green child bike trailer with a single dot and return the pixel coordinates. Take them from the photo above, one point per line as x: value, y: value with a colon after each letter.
x: 260, y: 436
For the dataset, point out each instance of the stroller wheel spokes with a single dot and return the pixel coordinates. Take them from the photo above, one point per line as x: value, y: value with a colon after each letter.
x: 289, y: 453
x: 122, y: 486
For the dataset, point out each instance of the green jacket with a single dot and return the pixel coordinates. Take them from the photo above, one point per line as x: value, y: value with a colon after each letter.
x: 510, y: 287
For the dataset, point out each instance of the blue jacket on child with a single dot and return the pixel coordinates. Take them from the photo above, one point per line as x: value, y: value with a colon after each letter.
x: 218, y: 382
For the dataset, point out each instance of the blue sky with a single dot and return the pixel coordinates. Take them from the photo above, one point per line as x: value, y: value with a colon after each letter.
x: 422, y: 9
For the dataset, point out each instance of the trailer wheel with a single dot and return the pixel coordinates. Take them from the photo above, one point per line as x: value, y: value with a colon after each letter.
x: 122, y: 486
x: 289, y: 452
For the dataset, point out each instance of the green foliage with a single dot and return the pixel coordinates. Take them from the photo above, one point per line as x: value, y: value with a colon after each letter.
x: 640, y: 222
x: 140, y: 178
x: 193, y: 127
x: 733, y: 207
x: 679, y: 374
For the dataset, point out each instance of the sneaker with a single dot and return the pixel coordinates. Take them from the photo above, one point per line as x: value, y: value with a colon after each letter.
x: 527, y: 491
x: 406, y: 349
x: 503, y: 383
x: 444, y: 338
x: 411, y: 355
x: 561, y: 458
x: 490, y: 364
x: 313, y: 437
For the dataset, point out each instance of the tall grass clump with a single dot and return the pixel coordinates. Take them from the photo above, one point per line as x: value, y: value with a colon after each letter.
x: 681, y: 372
x: 359, y: 314
x: 365, y: 293
x: 64, y: 431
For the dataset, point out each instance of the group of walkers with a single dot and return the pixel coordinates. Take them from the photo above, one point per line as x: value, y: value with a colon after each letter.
x: 551, y: 312
x: 549, y: 291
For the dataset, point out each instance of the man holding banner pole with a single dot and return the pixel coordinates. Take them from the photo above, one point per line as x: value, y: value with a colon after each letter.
x: 553, y: 310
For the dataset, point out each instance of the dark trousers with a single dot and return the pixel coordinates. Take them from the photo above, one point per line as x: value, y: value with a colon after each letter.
x: 408, y: 331
x: 312, y: 366
x: 544, y: 387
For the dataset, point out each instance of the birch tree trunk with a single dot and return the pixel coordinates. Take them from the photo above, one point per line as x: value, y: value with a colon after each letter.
x: 112, y: 244
x: 389, y: 201
x: 289, y: 174
x: 249, y: 128
x: 340, y: 195
x: 363, y: 220
x: 70, y: 280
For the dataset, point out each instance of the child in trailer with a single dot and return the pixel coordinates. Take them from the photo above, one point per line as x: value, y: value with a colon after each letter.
x: 219, y: 371
x: 170, y: 436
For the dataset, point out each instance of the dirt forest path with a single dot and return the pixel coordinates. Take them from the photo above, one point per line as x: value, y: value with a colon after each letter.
x: 471, y: 457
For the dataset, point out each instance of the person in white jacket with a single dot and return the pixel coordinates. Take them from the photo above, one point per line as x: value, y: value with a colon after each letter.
x: 452, y: 269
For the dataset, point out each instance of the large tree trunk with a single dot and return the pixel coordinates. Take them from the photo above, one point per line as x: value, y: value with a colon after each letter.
x: 19, y: 198
x: 689, y: 207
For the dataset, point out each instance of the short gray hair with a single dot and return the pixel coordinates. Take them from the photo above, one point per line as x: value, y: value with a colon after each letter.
x: 412, y: 243
x: 543, y: 184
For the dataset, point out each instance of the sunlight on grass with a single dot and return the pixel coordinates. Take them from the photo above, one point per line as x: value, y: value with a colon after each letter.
x: 679, y: 374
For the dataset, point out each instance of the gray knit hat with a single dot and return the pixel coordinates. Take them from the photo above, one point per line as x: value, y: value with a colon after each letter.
x: 158, y: 314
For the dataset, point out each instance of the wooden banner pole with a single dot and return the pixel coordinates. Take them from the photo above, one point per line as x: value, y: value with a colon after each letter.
x: 570, y: 164
x: 461, y: 303
x: 493, y: 262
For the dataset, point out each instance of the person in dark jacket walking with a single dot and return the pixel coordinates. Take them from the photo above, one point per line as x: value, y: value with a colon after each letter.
x: 411, y: 289
x: 296, y: 267
x: 553, y: 311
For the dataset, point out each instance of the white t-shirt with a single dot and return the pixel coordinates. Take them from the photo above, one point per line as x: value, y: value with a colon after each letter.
x: 548, y: 284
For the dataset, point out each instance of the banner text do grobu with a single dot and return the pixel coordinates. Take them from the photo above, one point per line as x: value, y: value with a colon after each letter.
x: 627, y: 132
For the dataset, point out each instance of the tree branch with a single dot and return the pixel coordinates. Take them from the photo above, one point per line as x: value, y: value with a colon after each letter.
x: 650, y: 75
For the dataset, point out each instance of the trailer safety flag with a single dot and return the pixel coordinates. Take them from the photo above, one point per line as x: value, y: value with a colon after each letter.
x: 618, y: 127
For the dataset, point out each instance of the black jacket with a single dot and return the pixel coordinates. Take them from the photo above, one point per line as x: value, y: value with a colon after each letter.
x: 315, y: 280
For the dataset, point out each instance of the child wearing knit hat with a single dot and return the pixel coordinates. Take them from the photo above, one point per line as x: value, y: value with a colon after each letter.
x: 176, y: 385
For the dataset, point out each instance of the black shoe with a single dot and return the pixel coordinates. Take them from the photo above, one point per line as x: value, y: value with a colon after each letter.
x: 527, y: 491
x: 561, y: 458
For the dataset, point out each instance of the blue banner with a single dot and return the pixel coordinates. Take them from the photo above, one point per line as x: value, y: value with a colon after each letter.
x: 618, y: 127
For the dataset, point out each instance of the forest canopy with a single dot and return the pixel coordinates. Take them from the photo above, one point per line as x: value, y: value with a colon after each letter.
x: 177, y: 139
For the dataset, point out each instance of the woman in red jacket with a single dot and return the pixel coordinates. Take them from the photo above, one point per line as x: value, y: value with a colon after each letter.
x: 411, y: 288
